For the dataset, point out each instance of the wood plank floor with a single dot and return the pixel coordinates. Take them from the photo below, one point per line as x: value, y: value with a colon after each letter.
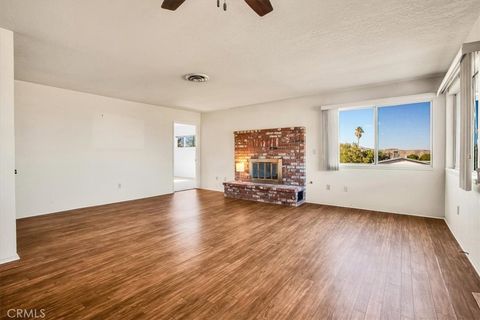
x: 197, y: 255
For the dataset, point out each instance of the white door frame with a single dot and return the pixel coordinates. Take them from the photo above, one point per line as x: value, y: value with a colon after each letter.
x: 197, y: 151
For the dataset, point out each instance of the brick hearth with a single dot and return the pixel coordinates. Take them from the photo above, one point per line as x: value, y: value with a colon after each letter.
x: 270, y: 193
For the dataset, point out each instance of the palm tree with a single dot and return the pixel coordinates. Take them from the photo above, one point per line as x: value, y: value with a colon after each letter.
x: 358, y: 133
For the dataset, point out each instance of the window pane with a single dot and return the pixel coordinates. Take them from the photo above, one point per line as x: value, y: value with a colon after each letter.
x: 274, y: 171
x: 261, y: 172
x: 189, y: 141
x: 404, y: 134
x: 268, y: 170
x: 475, y: 137
x: 457, y: 131
x: 255, y: 170
x: 476, y: 85
x: 180, y: 142
x: 357, y: 136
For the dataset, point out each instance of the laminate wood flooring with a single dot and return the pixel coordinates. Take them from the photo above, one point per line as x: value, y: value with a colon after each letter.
x: 198, y: 255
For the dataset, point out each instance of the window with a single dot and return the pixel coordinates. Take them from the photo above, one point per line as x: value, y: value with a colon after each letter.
x: 357, y: 136
x: 457, y: 132
x: 476, y: 89
x: 185, y: 141
x: 404, y: 134
x: 454, y: 118
x: 476, y: 152
x: 394, y: 135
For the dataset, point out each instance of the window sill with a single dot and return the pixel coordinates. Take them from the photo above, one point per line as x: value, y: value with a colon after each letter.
x: 384, y: 167
x: 456, y: 173
x: 452, y: 171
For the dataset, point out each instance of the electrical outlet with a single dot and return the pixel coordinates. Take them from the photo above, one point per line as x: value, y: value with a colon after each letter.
x: 327, y: 187
x: 216, y: 178
x: 119, y: 186
x: 345, y: 189
x: 458, y: 210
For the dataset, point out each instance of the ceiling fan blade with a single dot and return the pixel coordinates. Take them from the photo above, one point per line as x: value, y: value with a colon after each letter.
x: 172, y: 4
x: 261, y: 7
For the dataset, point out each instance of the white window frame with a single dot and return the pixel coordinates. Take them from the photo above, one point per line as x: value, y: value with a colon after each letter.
x: 455, y: 127
x: 476, y: 93
x: 455, y: 116
x: 450, y: 87
x: 454, y: 92
x: 385, y: 103
x: 477, y: 96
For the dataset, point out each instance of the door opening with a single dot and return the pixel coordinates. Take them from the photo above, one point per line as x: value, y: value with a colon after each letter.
x: 184, y: 157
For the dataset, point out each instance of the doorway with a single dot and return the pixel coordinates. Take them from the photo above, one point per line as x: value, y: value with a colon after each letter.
x: 184, y: 156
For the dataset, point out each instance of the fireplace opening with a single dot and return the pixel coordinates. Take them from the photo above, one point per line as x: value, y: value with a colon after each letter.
x: 300, y: 196
x: 266, y: 170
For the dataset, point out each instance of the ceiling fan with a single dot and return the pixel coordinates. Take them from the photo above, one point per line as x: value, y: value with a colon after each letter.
x: 261, y: 7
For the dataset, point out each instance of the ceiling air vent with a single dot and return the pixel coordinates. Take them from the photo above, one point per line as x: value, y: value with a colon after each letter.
x: 196, y: 77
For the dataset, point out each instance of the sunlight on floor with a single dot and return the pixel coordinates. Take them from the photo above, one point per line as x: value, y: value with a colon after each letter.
x: 181, y: 183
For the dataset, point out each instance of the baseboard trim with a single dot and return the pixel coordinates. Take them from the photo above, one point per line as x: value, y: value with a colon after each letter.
x: 211, y: 189
x: 476, y: 295
x: 90, y: 206
x: 377, y: 210
x: 353, y: 207
x: 461, y: 247
x: 10, y: 259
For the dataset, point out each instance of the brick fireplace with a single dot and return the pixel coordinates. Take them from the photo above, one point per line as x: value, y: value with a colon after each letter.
x: 269, y: 166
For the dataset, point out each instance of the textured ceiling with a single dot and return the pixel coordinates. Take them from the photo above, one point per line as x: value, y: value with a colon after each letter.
x: 136, y: 51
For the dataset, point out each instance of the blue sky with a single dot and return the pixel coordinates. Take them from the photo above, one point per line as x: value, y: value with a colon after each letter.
x: 351, y: 119
x: 402, y: 126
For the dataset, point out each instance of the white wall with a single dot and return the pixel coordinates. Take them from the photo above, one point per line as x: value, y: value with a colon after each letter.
x: 474, y: 34
x: 465, y: 225
x: 401, y: 191
x: 77, y: 150
x: 8, y: 243
x: 185, y: 158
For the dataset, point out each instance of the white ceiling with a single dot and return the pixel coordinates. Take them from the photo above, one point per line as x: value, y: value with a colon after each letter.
x: 137, y: 51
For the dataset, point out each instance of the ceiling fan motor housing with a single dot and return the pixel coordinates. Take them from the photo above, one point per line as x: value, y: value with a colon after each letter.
x: 261, y: 7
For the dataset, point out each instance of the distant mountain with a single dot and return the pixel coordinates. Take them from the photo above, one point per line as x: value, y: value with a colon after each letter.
x: 400, y: 153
